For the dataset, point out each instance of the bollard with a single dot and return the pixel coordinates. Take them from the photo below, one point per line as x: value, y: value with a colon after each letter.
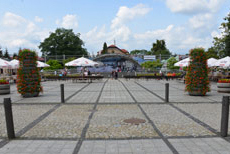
x: 62, y: 94
x: 9, y: 118
x: 167, y: 92
x: 224, y: 116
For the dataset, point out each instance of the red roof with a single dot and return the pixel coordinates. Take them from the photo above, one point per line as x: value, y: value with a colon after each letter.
x: 112, y: 46
x: 125, y: 51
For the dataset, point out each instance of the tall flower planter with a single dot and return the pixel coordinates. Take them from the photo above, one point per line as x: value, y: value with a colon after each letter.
x: 4, y: 89
x: 196, y: 79
x: 28, y: 74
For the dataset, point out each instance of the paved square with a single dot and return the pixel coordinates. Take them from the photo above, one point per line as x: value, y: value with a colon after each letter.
x: 66, y: 122
x: 38, y: 147
x: 23, y: 115
x: 108, y: 122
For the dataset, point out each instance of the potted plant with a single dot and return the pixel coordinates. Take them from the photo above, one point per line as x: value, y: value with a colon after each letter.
x: 4, y: 87
x: 29, y: 79
x: 223, y: 85
x: 196, y: 79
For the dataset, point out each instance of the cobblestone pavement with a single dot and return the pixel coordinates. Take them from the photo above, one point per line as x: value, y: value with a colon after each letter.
x: 92, y: 121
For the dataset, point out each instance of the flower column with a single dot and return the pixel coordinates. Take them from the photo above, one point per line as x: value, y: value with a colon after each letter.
x: 28, y: 74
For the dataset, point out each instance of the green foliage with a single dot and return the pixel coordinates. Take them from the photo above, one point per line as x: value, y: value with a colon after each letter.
x: 68, y: 60
x: 54, y: 64
x: 159, y: 48
x: 196, y: 78
x: 63, y: 41
x: 170, y: 63
x: 1, y: 55
x: 140, y: 52
x: 212, y: 53
x: 105, y: 49
x: 28, y: 73
x: 152, y: 64
x: 6, y: 54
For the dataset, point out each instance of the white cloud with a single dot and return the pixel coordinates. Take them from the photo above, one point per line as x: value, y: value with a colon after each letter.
x: 126, y: 14
x: 12, y: 20
x: 16, y: 31
x: 201, y: 20
x: 193, y: 6
x: 69, y: 21
x: 38, y: 19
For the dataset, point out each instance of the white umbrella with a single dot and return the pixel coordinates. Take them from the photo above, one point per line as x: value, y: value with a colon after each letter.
x: 211, y: 62
x: 182, y: 63
x: 81, y: 62
x: 14, y: 63
x: 4, y: 63
x: 224, y: 62
x: 41, y: 64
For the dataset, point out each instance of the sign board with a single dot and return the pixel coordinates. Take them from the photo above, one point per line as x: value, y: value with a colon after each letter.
x: 149, y: 57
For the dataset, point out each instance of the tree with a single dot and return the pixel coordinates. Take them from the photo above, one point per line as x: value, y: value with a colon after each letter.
x: 6, y: 54
x: 219, y: 46
x: 63, y: 41
x: 226, y: 27
x: 159, y: 48
x: 54, y: 64
x: 152, y: 64
x: 1, y: 55
x: 68, y: 60
x: 170, y: 63
x: 15, y: 56
x: 140, y: 52
x: 105, y: 49
x: 212, y: 53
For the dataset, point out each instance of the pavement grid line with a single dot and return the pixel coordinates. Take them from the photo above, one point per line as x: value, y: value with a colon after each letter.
x: 170, y: 146
x: 31, y: 125
x: 83, y: 133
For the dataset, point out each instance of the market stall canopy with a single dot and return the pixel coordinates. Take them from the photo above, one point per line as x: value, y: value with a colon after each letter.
x: 15, y: 64
x: 211, y: 62
x: 224, y: 62
x: 41, y: 64
x: 4, y: 64
x: 81, y: 62
x: 182, y: 63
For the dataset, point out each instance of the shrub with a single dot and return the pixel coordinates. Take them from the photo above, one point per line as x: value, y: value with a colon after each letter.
x: 197, y: 74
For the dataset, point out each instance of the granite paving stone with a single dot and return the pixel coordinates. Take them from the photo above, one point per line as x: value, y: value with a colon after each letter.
x: 23, y: 115
x: 38, y: 147
x: 201, y: 145
x: 207, y: 113
x: 142, y: 146
x: 84, y: 97
x: 173, y: 123
x: 108, y: 122
x: 66, y: 122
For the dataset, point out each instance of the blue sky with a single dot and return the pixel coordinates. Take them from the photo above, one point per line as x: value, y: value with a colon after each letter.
x: 134, y: 24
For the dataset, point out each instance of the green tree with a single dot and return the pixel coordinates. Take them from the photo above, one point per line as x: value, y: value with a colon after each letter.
x: 226, y: 27
x: 68, y: 60
x: 105, y: 49
x: 63, y: 41
x: 54, y: 64
x: 6, y: 54
x: 152, y: 64
x: 219, y: 46
x: 1, y: 55
x: 159, y: 48
x: 212, y: 53
x: 140, y: 52
x: 15, y: 56
x: 170, y: 63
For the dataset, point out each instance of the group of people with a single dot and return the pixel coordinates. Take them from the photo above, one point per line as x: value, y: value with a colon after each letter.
x: 114, y: 74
